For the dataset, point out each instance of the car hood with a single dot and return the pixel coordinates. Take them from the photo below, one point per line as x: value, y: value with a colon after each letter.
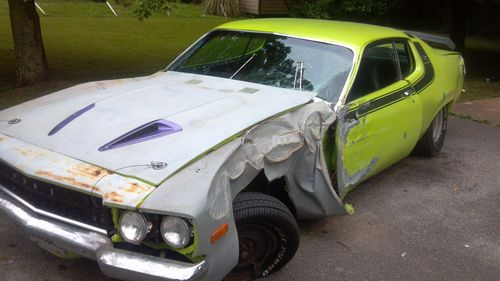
x: 208, y: 111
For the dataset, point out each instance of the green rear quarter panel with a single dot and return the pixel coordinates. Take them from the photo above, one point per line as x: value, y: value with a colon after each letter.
x: 446, y: 85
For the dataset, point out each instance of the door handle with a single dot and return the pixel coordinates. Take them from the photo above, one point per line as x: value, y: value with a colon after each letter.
x: 408, y: 93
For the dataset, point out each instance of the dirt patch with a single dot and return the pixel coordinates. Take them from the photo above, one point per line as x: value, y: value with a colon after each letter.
x: 486, y: 111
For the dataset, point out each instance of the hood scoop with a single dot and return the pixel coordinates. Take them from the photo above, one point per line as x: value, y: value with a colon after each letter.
x: 70, y: 118
x: 149, y: 131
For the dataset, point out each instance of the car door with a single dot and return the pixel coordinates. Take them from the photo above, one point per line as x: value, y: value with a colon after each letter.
x: 382, y: 117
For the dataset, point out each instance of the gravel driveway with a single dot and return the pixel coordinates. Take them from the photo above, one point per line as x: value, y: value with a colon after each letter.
x: 422, y: 219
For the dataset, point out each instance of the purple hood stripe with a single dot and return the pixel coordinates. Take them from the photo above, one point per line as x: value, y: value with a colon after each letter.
x: 70, y: 118
x: 148, y: 131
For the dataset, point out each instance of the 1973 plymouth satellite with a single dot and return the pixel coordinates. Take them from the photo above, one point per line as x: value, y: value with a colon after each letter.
x: 199, y: 172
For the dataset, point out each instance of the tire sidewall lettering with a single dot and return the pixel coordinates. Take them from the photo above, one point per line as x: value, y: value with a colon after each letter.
x: 280, y: 254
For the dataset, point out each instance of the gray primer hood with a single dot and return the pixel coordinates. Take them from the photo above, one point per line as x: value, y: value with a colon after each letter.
x: 210, y: 110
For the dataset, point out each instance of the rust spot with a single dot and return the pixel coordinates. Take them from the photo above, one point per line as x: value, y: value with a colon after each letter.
x: 113, y: 196
x: 2, y: 139
x: 67, y: 180
x: 88, y: 171
x: 134, y: 187
x: 22, y: 151
x: 29, y: 153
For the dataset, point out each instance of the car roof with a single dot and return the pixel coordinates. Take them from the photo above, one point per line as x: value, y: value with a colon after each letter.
x: 353, y: 34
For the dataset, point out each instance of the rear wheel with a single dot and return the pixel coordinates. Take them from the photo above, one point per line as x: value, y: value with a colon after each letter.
x: 268, y: 235
x: 432, y: 141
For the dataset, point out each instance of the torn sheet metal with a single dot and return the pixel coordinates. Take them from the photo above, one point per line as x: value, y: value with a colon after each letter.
x: 48, y: 166
x: 288, y: 146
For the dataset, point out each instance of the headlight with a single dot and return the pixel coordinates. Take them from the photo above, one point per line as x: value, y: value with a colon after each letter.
x: 175, y: 231
x: 133, y: 227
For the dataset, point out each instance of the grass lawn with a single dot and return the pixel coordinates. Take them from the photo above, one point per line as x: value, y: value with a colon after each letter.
x: 482, y: 59
x: 84, y: 41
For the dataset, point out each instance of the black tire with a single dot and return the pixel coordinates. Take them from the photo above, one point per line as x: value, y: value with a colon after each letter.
x: 432, y: 141
x: 268, y: 235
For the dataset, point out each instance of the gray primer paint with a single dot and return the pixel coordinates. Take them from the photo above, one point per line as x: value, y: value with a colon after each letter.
x: 345, y: 181
x: 295, y: 152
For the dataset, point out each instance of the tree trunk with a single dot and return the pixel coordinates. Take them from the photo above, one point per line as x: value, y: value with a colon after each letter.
x: 31, y: 64
x: 459, y: 15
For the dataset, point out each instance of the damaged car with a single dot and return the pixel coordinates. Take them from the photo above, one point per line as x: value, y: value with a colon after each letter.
x: 201, y: 171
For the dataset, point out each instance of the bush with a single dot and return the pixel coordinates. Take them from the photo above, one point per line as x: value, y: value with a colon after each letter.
x: 229, y: 8
x: 125, y: 3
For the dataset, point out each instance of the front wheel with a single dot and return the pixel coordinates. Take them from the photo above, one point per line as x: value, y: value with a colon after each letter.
x: 268, y: 235
x: 432, y: 141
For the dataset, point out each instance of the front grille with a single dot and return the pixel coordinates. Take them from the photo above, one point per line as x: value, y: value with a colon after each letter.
x: 57, y: 200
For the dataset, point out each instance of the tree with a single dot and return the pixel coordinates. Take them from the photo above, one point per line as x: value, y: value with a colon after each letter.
x: 145, y: 8
x: 341, y: 9
x: 31, y: 64
x: 459, y: 16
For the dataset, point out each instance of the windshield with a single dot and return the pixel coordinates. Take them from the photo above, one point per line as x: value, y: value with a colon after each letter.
x: 272, y: 60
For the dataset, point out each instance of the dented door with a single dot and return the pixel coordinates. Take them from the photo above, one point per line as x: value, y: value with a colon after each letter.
x: 380, y: 124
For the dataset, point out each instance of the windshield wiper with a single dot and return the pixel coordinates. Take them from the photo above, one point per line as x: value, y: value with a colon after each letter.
x: 299, y: 73
x: 243, y: 66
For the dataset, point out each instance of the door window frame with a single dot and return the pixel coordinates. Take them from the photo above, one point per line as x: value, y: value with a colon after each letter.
x: 392, y: 41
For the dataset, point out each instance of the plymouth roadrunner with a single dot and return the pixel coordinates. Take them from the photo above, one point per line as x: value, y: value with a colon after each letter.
x: 200, y: 171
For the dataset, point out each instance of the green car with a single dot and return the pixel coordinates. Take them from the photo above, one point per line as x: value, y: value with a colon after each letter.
x: 201, y: 171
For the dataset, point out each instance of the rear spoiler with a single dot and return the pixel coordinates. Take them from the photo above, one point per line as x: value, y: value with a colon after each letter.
x: 433, y: 40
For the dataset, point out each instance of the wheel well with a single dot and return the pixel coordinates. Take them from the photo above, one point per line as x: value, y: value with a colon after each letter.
x: 276, y: 188
x: 449, y: 106
x: 330, y: 154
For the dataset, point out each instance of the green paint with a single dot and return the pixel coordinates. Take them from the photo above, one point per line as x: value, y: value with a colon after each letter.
x: 382, y: 127
x: 330, y: 150
x: 116, y: 238
x: 187, y: 252
x: 349, y: 208
x: 355, y: 35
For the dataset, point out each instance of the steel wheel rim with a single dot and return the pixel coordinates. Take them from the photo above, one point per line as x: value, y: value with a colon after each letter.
x: 437, y: 127
x: 256, y: 243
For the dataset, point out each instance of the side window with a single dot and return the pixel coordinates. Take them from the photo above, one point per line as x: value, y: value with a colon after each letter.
x: 378, y: 69
x: 405, y: 57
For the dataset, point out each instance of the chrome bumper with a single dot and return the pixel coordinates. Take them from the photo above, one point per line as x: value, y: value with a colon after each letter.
x: 113, y: 262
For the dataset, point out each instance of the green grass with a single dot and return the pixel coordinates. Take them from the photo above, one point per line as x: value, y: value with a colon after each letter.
x: 477, y: 88
x: 89, y: 8
x: 84, y: 41
x: 482, y: 59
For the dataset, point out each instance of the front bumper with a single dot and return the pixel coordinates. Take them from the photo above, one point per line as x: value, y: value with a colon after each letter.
x: 113, y: 262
